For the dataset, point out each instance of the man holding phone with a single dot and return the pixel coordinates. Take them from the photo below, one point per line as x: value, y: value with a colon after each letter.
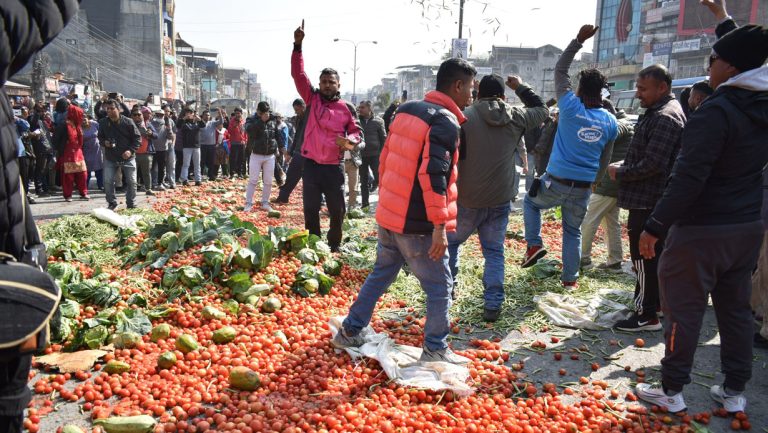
x: 121, y: 139
x: 332, y: 128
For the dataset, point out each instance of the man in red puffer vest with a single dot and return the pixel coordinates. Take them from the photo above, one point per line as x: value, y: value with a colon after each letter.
x: 417, y: 206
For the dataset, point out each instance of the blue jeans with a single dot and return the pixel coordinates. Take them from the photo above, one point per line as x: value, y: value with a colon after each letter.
x: 392, y: 252
x: 573, y: 204
x: 491, y: 226
x: 129, y: 180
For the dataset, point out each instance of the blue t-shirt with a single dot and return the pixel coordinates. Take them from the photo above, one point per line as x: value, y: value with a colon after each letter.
x: 580, y: 139
x: 22, y: 126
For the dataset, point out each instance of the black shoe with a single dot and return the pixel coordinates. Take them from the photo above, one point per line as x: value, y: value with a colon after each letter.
x: 112, y: 206
x: 185, y: 183
x: 198, y: 183
x: 760, y: 342
x: 43, y: 194
x: 638, y: 323
x: 149, y: 192
x: 277, y: 200
x: 491, y: 315
x: 612, y: 267
x: 31, y: 200
x: 131, y: 206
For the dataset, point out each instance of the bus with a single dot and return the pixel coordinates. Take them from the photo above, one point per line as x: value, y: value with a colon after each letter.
x: 626, y: 100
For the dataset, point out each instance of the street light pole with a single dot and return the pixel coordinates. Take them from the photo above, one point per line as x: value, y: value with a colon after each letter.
x: 354, y: 64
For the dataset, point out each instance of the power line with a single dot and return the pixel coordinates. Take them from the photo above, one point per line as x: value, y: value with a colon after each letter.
x: 110, y: 41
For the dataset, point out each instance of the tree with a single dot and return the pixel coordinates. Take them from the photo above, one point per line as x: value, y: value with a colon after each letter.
x: 382, y: 101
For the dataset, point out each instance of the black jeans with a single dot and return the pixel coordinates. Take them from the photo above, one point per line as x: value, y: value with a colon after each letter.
x: 237, y: 159
x: 371, y: 162
x: 699, y: 262
x: 43, y: 164
x: 26, y: 165
x: 180, y: 163
x: 324, y: 180
x: 292, y: 178
x: 208, y: 161
x: 14, y: 393
x: 159, y: 162
x: 647, y: 282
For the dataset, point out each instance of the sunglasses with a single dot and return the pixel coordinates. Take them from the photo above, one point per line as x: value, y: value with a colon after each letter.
x: 712, y: 59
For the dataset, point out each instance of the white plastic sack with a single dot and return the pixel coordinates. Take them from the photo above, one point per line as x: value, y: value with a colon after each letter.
x: 601, y: 311
x: 117, y: 220
x: 400, y: 363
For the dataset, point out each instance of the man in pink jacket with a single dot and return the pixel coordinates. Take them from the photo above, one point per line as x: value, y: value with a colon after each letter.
x: 332, y: 127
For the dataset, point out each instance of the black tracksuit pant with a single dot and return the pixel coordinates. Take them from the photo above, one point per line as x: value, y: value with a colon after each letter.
x: 14, y: 393
x: 324, y: 180
x: 292, y: 177
x: 647, y: 284
x: 699, y: 262
x: 208, y: 160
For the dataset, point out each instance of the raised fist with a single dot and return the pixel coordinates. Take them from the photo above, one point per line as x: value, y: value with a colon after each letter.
x: 586, y: 32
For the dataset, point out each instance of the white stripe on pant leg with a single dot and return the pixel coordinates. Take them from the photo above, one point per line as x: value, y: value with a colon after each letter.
x: 640, y: 269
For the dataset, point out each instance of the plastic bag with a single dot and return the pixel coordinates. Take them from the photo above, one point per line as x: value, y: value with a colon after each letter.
x: 400, y: 363
x: 601, y: 311
x: 117, y: 220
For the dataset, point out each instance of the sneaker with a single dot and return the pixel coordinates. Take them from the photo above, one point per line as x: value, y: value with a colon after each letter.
x: 160, y: 188
x: 656, y: 395
x: 31, y: 200
x: 276, y: 200
x: 67, y: 199
x: 445, y: 355
x: 131, y: 206
x: 184, y: 183
x: 610, y: 267
x: 491, y: 315
x: 112, y: 206
x: 85, y: 197
x: 731, y: 403
x: 266, y: 207
x: 570, y: 284
x: 149, y: 192
x: 586, y: 264
x: 198, y: 183
x: 247, y: 208
x: 532, y: 255
x: 172, y: 186
x: 637, y: 323
x: 342, y: 341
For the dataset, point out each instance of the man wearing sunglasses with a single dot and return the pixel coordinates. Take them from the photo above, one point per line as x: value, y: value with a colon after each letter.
x: 709, y: 219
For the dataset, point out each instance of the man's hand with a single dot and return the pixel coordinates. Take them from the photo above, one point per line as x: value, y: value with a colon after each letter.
x: 586, y: 32
x: 439, y: 243
x: 514, y: 81
x: 647, y: 245
x: 612, y: 171
x: 298, y: 34
x: 717, y: 9
x: 344, y: 143
x: 127, y: 154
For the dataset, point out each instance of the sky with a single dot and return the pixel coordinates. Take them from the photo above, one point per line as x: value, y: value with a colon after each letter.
x: 258, y: 34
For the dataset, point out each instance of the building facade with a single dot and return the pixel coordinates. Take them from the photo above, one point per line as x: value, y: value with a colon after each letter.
x: 676, y: 33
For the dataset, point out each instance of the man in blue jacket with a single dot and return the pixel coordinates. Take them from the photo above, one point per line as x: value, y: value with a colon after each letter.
x: 709, y: 219
x: 580, y: 155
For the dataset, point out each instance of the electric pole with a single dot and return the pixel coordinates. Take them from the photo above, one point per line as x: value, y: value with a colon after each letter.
x: 461, y: 16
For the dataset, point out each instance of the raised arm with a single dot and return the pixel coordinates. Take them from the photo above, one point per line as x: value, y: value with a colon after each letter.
x: 562, y: 79
x: 300, y: 78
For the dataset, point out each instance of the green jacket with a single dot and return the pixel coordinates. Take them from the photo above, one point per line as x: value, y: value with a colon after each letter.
x: 606, y: 186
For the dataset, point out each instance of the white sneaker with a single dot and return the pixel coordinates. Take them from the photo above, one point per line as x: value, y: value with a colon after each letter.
x: 655, y: 395
x: 247, y: 208
x: 731, y: 403
x: 266, y: 207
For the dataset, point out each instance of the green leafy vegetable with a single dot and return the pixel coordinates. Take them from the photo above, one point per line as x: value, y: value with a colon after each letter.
x: 69, y: 308
x: 130, y: 320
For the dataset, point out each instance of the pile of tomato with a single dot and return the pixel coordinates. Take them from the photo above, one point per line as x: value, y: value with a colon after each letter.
x: 306, y: 385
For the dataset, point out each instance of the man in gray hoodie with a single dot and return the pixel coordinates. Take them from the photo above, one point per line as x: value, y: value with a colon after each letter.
x: 490, y: 137
x: 208, y: 143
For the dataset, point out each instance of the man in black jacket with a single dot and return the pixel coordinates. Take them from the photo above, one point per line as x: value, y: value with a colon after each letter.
x: 375, y: 136
x: 25, y: 27
x: 263, y: 142
x: 295, y: 160
x: 710, y: 219
x: 120, y: 139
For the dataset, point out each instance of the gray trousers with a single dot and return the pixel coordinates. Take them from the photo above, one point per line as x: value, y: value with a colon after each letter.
x: 703, y: 261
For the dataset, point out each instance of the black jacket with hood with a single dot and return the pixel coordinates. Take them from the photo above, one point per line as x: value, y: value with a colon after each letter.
x: 718, y: 176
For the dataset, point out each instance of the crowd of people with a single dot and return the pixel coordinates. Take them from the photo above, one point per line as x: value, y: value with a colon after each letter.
x: 690, y: 173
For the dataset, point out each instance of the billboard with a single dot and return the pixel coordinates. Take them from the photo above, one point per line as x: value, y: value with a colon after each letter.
x: 696, y: 19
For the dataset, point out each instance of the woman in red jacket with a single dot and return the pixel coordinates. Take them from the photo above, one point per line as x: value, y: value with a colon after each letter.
x: 73, y: 168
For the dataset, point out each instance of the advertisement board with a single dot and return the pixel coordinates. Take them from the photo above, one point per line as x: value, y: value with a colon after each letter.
x: 695, y: 19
